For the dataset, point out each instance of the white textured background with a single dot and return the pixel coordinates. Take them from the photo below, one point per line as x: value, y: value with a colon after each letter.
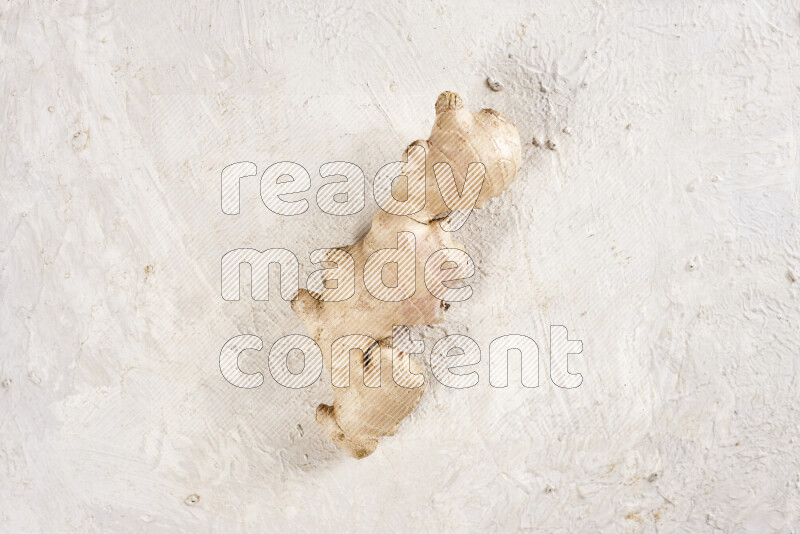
x: 662, y: 231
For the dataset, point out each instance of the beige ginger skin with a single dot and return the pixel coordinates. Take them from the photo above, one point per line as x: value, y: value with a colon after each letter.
x: 360, y: 414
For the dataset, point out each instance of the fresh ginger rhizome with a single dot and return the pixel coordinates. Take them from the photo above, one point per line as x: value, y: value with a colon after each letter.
x: 406, y: 271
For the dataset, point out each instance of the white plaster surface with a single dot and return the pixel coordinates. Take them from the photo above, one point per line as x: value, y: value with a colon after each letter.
x: 661, y: 228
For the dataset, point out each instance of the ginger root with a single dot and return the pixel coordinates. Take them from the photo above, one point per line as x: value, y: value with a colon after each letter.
x: 361, y: 414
